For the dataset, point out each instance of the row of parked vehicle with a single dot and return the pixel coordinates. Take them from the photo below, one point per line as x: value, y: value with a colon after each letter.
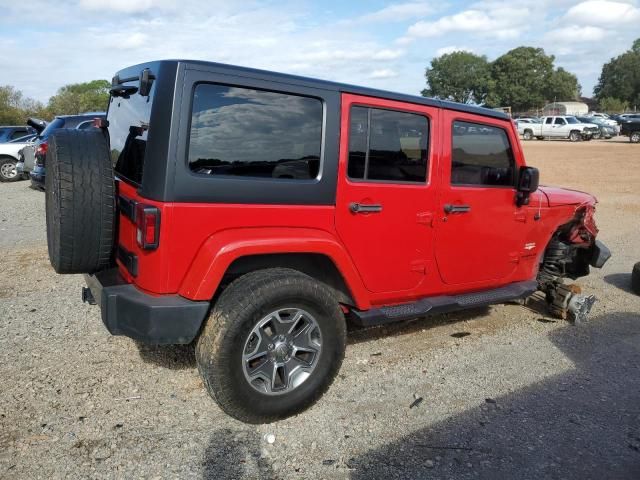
x: 576, y: 128
x: 23, y: 149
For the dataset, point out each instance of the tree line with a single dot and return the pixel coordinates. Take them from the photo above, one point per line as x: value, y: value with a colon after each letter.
x: 70, y: 99
x: 525, y: 78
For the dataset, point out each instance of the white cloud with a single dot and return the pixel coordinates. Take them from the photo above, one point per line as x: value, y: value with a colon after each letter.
x: 383, y: 73
x: 451, y: 49
x: 573, y: 33
x: 501, y: 22
x: 124, y: 6
x: 603, y: 13
x: 398, y: 12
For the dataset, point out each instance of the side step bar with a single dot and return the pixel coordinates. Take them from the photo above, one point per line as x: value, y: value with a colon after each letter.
x: 443, y: 304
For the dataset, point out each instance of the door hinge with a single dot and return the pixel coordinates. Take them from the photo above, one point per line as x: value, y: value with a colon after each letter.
x: 425, y: 218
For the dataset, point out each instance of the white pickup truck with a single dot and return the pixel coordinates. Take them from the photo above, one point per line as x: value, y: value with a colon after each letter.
x: 559, y: 127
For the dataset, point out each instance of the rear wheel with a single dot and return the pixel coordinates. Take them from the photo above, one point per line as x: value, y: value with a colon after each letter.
x: 272, y: 345
x: 527, y: 135
x: 634, y: 137
x: 8, y: 172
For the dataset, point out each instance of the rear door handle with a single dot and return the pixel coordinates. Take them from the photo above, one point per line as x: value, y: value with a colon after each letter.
x: 449, y: 208
x: 365, y: 207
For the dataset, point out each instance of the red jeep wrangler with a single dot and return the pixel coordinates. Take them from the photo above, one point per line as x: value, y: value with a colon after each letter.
x: 256, y: 212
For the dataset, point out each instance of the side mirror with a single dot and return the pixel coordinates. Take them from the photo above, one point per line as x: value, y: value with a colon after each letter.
x: 528, y: 182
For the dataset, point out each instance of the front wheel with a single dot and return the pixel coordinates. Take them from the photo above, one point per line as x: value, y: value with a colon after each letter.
x: 272, y: 345
x: 574, y: 136
x: 8, y: 171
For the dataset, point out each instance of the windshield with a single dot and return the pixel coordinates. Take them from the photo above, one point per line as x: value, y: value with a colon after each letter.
x: 572, y: 120
x: 128, y: 129
x: 54, y: 125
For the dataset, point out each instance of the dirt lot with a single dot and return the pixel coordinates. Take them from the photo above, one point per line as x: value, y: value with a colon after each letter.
x: 507, y: 392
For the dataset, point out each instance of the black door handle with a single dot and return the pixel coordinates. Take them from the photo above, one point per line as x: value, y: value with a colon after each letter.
x: 365, y: 207
x: 449, y: 208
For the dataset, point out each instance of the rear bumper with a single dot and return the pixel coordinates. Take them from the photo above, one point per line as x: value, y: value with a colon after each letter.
x: 164, y: 319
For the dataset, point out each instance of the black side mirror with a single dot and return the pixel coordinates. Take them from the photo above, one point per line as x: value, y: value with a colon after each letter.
x: 146, y: 81
x: 528, y: 182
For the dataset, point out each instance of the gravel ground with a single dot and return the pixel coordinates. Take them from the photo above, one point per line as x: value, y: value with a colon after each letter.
x: 502, y: 392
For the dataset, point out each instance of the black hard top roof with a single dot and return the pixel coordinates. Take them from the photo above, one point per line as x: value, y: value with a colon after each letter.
x: 315, y: 83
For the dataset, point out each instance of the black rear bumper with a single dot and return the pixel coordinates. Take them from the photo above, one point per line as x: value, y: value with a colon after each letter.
x: 164, y: 319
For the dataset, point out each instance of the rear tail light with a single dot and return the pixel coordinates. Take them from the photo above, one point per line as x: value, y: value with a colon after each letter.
x: 41, y: 152
x: 148, y: 226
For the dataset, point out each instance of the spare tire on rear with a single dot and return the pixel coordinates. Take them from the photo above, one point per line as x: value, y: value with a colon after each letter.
x: 80, y: 201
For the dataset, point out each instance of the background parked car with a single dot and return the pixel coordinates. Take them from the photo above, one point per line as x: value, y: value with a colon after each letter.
x: 10, y: 155
x: 631, y: 129
x: 9, y: 133
x: 35, y: 155
x: 606, y: 130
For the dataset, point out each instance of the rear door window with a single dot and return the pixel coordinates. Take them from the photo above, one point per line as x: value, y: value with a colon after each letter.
x: 387, y: 145
x: 246, y: 132
x: 481, y: 155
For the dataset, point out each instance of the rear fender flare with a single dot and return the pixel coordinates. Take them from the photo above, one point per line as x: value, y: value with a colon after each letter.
x: 223, y: 248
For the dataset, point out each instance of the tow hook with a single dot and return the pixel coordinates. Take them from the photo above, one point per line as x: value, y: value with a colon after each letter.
x: 87, y: 296
x: 570, y: 304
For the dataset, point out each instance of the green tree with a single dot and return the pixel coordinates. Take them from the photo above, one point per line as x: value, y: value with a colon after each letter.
x: 80, y: 97
x: 15, y: 108
x: 620, y: 77
x: 459, y: 76
x: 563, y: 86
x: 521, y: 78
x: 613, y: 105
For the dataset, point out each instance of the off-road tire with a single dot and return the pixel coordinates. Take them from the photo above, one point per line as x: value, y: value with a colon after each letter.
x: 575, y: 136
x: 239, y: 308
x: 635, y: 278
x: 8, y: 163
x: 634, y: 137
x: 527, y: 135
x: 80, y: 201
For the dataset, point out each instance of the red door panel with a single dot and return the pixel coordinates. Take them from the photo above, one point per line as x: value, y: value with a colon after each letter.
x: 387, y: 225
x: 480, y: 230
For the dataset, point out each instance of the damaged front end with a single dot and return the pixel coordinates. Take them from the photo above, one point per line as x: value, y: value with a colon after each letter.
x: 569, y: 254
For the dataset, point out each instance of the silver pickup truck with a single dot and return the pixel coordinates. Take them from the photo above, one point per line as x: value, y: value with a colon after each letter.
x: 567, y: 127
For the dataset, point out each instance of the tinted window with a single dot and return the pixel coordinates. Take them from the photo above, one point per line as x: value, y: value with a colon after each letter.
x: 55, y: 124
x: 129, y: 118
x: 559, y: 121
x: 254, y: 133
x: 19, y: 133
x: 549, y: 120
x: 387, y: 145
x: 481, y: 155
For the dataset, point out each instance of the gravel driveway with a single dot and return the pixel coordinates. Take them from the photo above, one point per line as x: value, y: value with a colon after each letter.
x: 502, y: 392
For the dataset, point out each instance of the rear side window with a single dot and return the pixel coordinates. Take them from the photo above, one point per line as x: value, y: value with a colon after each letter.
x: 254, y: 133
x: 481, y: 155
x: 387, y: 145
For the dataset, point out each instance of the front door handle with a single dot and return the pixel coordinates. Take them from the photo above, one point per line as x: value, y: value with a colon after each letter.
x: 365, y: 207
x: 449, y: 208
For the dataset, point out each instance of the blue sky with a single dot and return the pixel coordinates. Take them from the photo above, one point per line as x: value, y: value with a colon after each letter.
x: 385, y: 44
